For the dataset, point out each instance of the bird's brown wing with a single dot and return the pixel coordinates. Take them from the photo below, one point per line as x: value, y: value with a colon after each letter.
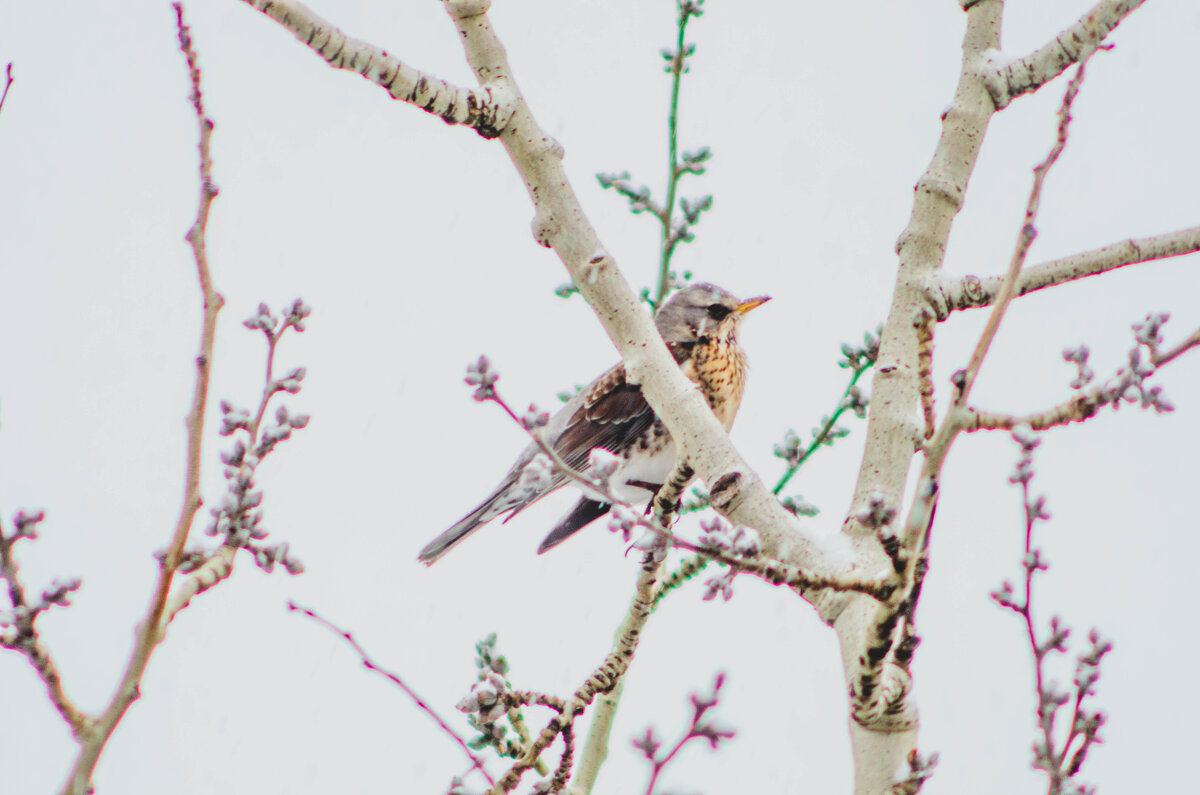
x: 614, y: 414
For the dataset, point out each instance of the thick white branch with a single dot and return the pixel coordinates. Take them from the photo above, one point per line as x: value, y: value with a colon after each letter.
x: 948, y: 293
x: 479, y: 109
x: 1008, y: 81
x: 882, y: 739
x: 560, y: 223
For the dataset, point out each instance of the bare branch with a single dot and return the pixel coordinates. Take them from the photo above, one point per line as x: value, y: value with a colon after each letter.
x: 1159, y: 359
x: 476, y: 762
x: 925, y: 330
x: 949, y: 293
x: 1026, y: 237
x: 603, y: 680
x: 1010, y: 80
x: 1052, y: 751
x: 485, y: 110
x: 778, y: 572
x: 1127, y: 385
x: 149, y: 632
x: 7, y: 84
x: 23, y: 636
x: 700, y: 729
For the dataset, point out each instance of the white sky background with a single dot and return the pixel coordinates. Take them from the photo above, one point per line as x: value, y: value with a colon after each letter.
x: 411, y: 241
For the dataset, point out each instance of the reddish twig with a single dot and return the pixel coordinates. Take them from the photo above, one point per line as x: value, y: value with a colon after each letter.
x: 370, y: 664
x: 8, y: 84
x: 149, y: 632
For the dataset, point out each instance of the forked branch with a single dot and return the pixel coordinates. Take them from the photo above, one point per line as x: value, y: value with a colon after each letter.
x: 484, y: 109
x: 1010, y: 80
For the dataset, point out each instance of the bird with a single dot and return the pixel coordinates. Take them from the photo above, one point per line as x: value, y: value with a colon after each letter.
x: 699, y: 323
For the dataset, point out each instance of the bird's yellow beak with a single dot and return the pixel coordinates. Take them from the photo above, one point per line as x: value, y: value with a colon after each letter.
x: 751, y: 303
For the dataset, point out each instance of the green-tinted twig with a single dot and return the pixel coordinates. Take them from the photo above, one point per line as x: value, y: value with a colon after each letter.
x: 824, y: 433
x: 688, y: 569
x: 668, y: 245
x: 489, y: 660
x: 858, y: 359
x: 675, y: 170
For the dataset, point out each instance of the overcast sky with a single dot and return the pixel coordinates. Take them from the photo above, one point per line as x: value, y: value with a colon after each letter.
x: 411, y: 241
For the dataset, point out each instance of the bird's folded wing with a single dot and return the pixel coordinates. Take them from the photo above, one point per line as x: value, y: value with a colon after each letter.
x: 613, y: 415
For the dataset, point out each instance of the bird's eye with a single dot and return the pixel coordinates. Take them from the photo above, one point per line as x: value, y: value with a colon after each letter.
x: 718, y: 311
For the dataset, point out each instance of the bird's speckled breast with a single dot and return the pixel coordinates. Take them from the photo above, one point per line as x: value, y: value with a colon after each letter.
x: 719, y: 368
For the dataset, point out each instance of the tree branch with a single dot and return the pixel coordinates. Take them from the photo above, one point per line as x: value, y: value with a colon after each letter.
x: 1007, y: 81
x: 603, y: 680
x: 370, y: 664
x: 949, y: 293
x: 24, y: 636
x: 484, y: 110
x: 1126, y: 385
x: 880, y: 749
x: 561, y: 224
x: 149, y: 632
x: 7, y: 84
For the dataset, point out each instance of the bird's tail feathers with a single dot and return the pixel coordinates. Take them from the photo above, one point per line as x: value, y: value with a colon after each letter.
x: 584, y: 513
x: 500, y: 501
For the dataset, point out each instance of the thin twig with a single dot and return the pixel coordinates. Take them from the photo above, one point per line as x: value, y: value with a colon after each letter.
x: 1159, y: 359
x: 669, y: 240
x: 149, y: 632
x: 572, y: 474
x: 823, y: 433
x: 8, y: 84
x: 369, y: 663
x: 1087, y: 402
x: 1027, y: 235
x: 602, y: 680
x: 27, y: 640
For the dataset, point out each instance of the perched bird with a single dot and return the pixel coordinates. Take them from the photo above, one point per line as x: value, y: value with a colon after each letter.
x: 699, y: 325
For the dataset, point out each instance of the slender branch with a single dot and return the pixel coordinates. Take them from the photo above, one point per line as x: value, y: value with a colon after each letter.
x: 25, y: 637
x: 1128, y: 385
x: 699, y: 729
x: 667, y: 217
x: 7, y: 84
x: 925, y: 330
x: 484, y: 110
x: 949, y: 293
x: 370, y: 664
x: 685, y: 571
x: 570, y: 473
x: 1026, y: 237
x: 823, y: 434
x: 149, y: 632
x: 1159, y: 359
x: 596, y: 746
x: 1010, y: 80
x: 1056, y: 760
x: 603, y: 680
x: 797, y: 578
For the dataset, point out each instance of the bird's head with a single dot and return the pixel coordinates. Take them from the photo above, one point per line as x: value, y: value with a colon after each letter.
x: 703, y: 311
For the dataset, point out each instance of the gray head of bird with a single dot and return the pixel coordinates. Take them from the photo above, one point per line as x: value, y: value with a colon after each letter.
x: 703, y: 310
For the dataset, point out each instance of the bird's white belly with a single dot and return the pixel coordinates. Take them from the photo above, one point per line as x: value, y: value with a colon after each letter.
x: 646, y: 469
